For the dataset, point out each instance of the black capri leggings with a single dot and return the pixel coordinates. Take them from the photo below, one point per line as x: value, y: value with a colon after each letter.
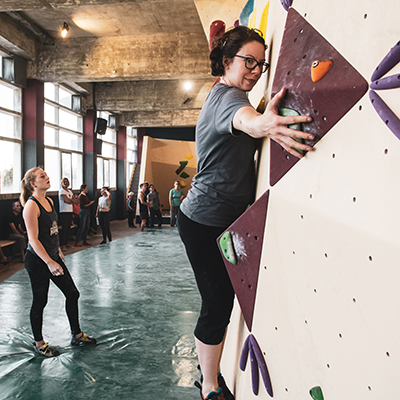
x: 104, y: 220
x: 212, y: 279
x: 40, y: 276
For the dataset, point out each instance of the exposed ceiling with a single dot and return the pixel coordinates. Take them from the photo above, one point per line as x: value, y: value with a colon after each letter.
x: 134, y: 55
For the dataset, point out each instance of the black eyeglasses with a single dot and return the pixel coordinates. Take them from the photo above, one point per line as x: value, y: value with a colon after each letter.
x: 251, y: 63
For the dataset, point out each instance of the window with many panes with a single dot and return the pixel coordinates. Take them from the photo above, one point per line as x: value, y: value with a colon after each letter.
x: 63, y: 137
x: 10, y: 137
x: 107, y: 159
x: 131, y: 152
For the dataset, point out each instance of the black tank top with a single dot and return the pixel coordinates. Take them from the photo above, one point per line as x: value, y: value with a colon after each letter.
x: 142, y: 207
x: 48, y: 230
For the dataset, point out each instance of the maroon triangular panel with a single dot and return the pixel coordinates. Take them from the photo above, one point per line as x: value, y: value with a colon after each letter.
x: 247, y: 233
x: 326, y: 100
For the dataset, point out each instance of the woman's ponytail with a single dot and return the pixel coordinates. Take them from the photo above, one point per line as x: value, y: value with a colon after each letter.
x: 26, y: 187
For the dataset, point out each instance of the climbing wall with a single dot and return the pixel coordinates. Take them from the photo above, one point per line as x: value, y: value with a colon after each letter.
x: 166, y: 161
x: 316, y: 315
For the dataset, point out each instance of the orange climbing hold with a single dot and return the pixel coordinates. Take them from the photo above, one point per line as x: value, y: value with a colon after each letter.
x: 319, y: 69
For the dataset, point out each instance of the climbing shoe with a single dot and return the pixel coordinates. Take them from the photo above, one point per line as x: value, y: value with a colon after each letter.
x: 227, y: 393
x: 218, y: 395
x: 83, y: 340
x: 46, y: 351
x: 221, y: 383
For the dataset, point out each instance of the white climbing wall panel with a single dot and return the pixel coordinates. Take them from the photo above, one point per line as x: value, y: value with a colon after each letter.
x: 328, y: 295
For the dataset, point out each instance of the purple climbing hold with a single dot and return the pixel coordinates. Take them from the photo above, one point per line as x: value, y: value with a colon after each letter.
x: 262, y: 365
x: 245, y: 353
x: 390, y: 60
x: 390, y: 82
x: 257, y: 361
x: 286, y: 4
x: 388, y: 116
x: 255, y: 377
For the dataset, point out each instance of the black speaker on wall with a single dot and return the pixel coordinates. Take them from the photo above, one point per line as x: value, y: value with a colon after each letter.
x: 100, y: 126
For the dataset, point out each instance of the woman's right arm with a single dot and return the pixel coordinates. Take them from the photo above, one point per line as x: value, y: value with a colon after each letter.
x: 270, y: 124
x: 31, y: 215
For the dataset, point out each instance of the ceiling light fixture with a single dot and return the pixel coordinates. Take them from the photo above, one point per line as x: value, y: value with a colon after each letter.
x: 187, y: 86
x: 64, y: 30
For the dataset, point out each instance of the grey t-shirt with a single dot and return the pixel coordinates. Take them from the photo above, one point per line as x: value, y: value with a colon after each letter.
x: 225, y: 181
x: 154, y: 200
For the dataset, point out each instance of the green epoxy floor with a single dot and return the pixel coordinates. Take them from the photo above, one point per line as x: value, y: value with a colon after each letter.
x: 138, y: 298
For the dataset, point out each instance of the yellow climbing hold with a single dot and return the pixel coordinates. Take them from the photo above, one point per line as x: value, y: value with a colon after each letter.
x: 252, y: 19
x: 188, y: 156
x: 264, y: 20
x: 261, y: 106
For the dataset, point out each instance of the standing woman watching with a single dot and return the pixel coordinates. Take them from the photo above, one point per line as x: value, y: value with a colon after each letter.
x: 84, y: 217
x: 175, y: 197
x: 226, y: 139
x: 44, y: 260
x: 103, y: 213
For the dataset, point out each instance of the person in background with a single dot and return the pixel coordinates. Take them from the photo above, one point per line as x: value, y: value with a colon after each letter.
x: 103, y: 213
x: 153, y: 199
x: 66, y: 200
x: 84, y: 217
x: 130, y: 207
x: 45, y: 261
x: 226, y: 141
x: 4, y: 259
x: 146, y: 192
x: 14, y: 227
x: 175, y: 198
x: 143, y: 206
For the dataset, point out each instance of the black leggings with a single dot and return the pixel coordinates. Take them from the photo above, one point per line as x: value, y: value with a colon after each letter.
x: 40, y: 277
x: 104, y: 220
x: 212, y: 279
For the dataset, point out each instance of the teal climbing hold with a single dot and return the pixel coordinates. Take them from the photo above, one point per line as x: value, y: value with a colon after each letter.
x: 316, y: 393
x: 287, y: 112
x: 227, y: 248
x: 245, y: 13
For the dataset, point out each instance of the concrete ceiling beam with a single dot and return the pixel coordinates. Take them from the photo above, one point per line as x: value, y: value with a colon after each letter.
x: 138, y: 57
x: 19, y: 5
x: 151, y: 95
x: 147, y: 119
x: 15, y: 40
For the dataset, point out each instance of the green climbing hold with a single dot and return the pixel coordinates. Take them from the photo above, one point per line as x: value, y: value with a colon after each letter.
x: 227, y: 248
x: 182, y: 166
x: 184, y: 175
x: 287, y: 112
x: 316, y: 393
